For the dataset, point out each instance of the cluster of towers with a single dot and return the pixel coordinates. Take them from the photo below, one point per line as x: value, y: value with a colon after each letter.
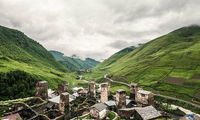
x: 42, y: 92
x: 141, y: 97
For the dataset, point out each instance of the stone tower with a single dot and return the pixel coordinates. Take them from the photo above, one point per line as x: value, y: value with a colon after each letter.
x: 62, y: 88
x: 42, y: 90
x: 121, y: 99
x: 104, y: 92
x: 133, y: 91
x: 92, y: 89
x: 64, y: 105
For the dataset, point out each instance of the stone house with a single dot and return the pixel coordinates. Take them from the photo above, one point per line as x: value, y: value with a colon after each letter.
x: 144, y: 98
x: 98, y: 111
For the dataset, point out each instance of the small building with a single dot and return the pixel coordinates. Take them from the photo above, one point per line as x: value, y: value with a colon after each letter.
x: 144, y: 98
x: 146, y: 113
x: 98, y: 111
x: 111, y: 105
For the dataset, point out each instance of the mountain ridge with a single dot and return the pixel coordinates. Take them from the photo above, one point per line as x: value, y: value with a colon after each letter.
x: 74, y: 63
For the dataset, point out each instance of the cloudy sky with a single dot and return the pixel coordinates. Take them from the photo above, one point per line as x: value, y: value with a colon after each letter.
x: 97, y: 28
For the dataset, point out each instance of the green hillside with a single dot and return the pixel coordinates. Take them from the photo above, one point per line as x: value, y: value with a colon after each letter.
x: 116, y: 56
x: 23, y: 62
x: 74, y: 63
x: 169, y: 64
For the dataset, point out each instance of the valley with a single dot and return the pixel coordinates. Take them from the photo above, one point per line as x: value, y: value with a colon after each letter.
x: 168, y: 66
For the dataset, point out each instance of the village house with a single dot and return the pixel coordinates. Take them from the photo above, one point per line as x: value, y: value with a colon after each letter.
x: 98, y: 111
x: 144, y: 98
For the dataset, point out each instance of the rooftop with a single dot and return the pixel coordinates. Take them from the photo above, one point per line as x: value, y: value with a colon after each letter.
x: 99, y: 106
x: 110, y: 103
x: 148, y: 112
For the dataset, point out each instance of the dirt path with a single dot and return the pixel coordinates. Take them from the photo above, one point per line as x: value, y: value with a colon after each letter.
x: 168, y: 97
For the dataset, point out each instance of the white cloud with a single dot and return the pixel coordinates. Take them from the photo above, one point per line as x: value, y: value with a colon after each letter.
x: 96, y: 28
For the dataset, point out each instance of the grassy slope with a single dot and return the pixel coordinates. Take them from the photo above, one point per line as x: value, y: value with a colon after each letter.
x: 116, y: 56
x: 19, y: 52
x: 74, y: 64
x: 173, y: 55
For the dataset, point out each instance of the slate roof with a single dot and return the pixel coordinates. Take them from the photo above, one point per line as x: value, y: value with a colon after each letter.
x: 110, y: 103
x: 148, y: 112
x: 99, y: 106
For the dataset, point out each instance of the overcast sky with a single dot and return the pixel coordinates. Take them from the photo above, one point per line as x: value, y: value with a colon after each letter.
x: 97, y: 28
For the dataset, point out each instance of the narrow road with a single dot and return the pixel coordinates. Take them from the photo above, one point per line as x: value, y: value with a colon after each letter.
x: 168, y: 97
